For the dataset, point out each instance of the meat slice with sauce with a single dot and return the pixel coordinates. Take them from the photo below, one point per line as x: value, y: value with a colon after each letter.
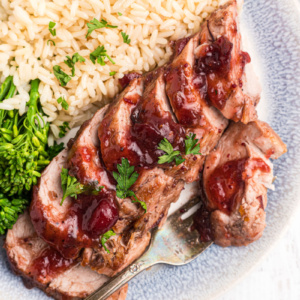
x: 43, y: 267
x: 85, y: 163
x: 76, y: 224
x: 114, y: 130
x: 232, y: 86
x: 236, y: 177
x: 186, y: 91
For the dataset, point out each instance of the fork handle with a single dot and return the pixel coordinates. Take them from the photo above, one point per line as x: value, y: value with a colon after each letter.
x: 120, y: 279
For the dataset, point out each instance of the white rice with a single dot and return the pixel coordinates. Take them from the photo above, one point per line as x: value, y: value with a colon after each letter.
x: 25, y: 55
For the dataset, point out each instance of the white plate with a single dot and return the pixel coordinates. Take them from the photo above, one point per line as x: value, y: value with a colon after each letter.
x: 272, y: 29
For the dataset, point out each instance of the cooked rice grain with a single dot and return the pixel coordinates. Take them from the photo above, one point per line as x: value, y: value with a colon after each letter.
x: 25, y: 54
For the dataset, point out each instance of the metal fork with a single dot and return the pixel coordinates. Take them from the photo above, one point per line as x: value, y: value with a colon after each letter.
x: 174, y: 244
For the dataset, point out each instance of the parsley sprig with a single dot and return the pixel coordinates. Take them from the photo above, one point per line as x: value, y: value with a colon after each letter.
x: 51, y: 28
x: 125, y: 179
x: 170, y: 155
x: 191, y: 145
x: 71, y: 187
x: 64, y: 104
x: 70, y: 62
x: 126, y: 38
x: 100, y: 54
x: 105, y: 237
x: 95, y: 24
x: 63, y: 129
x: 61, y: 76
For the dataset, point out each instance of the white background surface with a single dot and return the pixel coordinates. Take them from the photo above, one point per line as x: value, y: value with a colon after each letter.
x: 277, y: 277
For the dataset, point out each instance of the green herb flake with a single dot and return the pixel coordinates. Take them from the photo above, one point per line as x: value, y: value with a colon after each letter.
x: 191, y: 145
x: 70, y: 62
x: 51, y: 28
x: 120, y: 14
x: 170, y: 155
x: 95, y: 24
x: 100, y: 54
x: 61, y: 100
x: 63, y: 129
x: 61, y: 76
x: 51, y: 41
x: 112, y: 73
x: 125, y: 179
x: 126, y: 38
x: 105, y: 237
x: 70, y: 186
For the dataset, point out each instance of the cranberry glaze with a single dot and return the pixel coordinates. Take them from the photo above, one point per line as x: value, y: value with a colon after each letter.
x: 124, y: 81
x: 226, y: 184
x: 86, y: 218
x: 149, y: 124
x: 215, y: 63
x: 49, y: 263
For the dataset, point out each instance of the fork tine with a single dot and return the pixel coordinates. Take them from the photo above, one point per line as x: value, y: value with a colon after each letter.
x: 185, y: 208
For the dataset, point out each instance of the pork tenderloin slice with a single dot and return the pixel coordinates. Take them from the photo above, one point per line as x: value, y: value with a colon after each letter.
x: 85, y: 163
x: 186, y: 91
x: 79, y: 282
x: 124, y: 249
x: 154, y: 120
x: 159, y: 191
x: 235, y: 180
x: 48, y: 216
x: 24, y: 248
x: 114, y: 130
x: 235, y: 89
x: 84, y: 160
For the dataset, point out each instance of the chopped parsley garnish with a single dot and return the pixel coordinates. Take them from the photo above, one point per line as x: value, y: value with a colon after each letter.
x: 112, y: 73
x: 63, y: 129
x: 125, y: 37
x: 48, y: 42
x: 125, y: 179
x: 70, y: 62
x: 64, y: 104
x: 105, y: 237
x: 170, y: 155
x: 55, y: 149
x: 61, y: 76
x: 120, y: 14
x: 191, y: 146
x: 95, y: 24
x: 100, y: 54
x: 51, y: 28
x: 71, y: 187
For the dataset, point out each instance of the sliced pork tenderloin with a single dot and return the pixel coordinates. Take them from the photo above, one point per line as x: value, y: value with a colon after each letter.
x: 114, y: 130
x: 85, y: 163
x: 235, y: 180
x: 123, y: 249
x: 43, y: 267
x: 186, y: 91
x: 231, y: 88
x: 63, y: 226
x: 84, y: 154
